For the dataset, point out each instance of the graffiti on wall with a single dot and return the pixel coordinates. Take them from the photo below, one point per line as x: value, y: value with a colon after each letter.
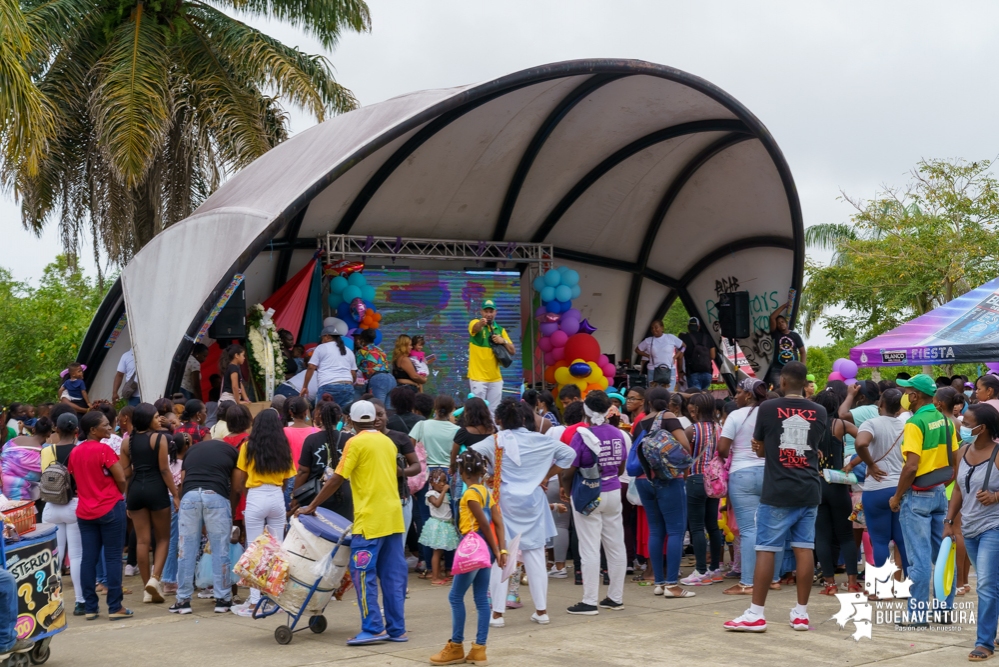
x: 759, y: 349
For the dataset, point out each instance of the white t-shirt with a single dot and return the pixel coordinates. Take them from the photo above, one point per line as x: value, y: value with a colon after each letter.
x: 886, y: 432
x: 193, y: 366
x: 444, y: 511
x: 126, y: 366
x: 331, y: 366
x: 739, y: 429
x: 296, y: 381
x: 661, y: 350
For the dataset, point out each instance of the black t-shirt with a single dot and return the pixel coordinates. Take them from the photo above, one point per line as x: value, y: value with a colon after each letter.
x: 227, y: 379
x: 669, y: 423
x: 404, y: 422
x: 405, y: 446
x: 786, y: 346
x: 316, y: 457
x: 466, y: 439
x: 209, y: 465
x: 792, y: 430
x: 697, y: 351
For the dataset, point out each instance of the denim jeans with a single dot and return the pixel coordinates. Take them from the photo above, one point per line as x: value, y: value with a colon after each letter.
x: 781, y: 528
x: 201, y: 507
x: 107, y: 532
x: 170, y: 567
x: 666, y: 510
x: 479, y: 581
x: 287, y: 391
x: 883, y: 526
x: 343, y: 394
x: 699, y: 380
x: 984, y: 552
x: 744, y: 489
x: 380, y: 384
x: 8, y: 610
x: 702, y: 513
x: 921, y: 514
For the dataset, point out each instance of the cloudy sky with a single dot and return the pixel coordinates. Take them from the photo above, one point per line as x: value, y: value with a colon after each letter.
x: 855, y: 93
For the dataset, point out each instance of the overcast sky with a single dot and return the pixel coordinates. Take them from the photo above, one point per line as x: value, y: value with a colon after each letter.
x: 855, y: 93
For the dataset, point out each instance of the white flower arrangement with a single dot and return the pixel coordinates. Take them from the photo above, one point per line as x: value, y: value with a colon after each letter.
x: 265, y: 348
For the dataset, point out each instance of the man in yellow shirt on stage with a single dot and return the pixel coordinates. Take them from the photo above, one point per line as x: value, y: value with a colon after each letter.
x: 484, y: 376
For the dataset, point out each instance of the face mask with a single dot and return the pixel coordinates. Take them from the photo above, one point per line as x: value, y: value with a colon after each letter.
x: 967, y: 392
x: 905, y: 401
x: 692, y: 328
x: 968, y: 433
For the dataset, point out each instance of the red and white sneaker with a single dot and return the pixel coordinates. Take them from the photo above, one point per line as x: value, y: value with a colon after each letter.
x: 747, y: 623
x: 799, y: 622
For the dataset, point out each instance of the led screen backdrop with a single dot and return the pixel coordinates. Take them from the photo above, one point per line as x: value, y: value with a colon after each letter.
x: 439, y: 305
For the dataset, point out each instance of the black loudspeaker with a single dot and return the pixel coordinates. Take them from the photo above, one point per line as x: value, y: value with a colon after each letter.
x: 231, y: 320
x: 733, y: 315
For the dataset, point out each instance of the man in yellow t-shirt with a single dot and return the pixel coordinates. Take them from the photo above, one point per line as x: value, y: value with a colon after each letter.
x: 484, y: 376
x: 377, y: 553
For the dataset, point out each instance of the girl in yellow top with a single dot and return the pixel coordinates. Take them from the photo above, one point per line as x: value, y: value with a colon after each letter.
x: 476, y: 509
x: 264, y: 464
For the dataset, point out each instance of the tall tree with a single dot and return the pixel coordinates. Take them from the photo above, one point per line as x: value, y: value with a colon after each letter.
x: 906, y: 251
x: 157, y: 100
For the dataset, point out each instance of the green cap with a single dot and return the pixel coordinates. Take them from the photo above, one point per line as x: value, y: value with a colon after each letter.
x: 922, y: 383
x: 810, y: 377
x: 488, y: 304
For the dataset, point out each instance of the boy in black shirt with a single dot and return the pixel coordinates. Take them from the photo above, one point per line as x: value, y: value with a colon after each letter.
x: 788, y: 432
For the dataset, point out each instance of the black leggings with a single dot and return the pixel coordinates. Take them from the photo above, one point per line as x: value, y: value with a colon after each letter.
x: 702, y: 514
x: 833, y: 529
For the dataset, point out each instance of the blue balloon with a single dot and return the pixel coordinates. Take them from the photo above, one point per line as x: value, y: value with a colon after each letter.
x: 553, y: 307
x: 349, y: 342
x: 576, y: 291
x: 563, y: 293
x: 343, y: 312
x: 548, y: 293
x: 564, y: 306
x: 351, y: 293
x: 538, y: 284
x: 357, y: 279
x: 553, y: 278
x: 334, y: 300
x: 562, y: 269
x: 368, y: 293
x: 570, y: 278
x: 580, y: 370
x: 338, y: 285
x: 378, y: 336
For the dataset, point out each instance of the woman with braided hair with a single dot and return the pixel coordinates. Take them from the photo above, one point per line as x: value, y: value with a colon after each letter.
x: 321, y: 451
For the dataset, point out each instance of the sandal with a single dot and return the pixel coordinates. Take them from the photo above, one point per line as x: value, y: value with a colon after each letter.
x: 979, y: 655
x: 738, y: 589
x: 830, y: 589
x: 775, y: 585
x: 961, y: 590
x: 440, y: 582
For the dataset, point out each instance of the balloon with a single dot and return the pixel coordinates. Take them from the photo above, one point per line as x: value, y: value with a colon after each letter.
x: 582, y: 346
x: 573, y: 313
x: 538, y: 284
x: 595, y: 370
x: 551, y: 317
x: 580, y: 369
x: 343, y: 312
x: 569, y: 325
x: 609, y: 371
x: 349, y: 342
x: 602, y: 383
x: 334, y: 300
x: 850, y: 381
x: 837, y: 365
x: 377, y: 315
x: 549, y: 373
x: 553, y: 307
x: 352, y: 292
x: 563, y: 376
x: 545, y: 344
x: 582, y: 386
x: 548, y: 293
x: 357, y: 279
x: 378, y: 337
x: 343, y: 267
x: 548, y: 328
x: 357, y: 307
x: 570, y: 278
x: 836, y: 375
x: 368, y: 293
x: 563, y: 293
x: 564, y: 306
x: 848, y: 368
x: 549, y: 361
x: 602, y: 360
x: 562, y: 269
x: 540, y: 312
x: 338, y: 285
x: 558, y: 353
x: 553, y: 278
x: 593, y: 386
x: 993, y: 366
x: 576, y: 291
x: 559, y: 339
x: 586, y: 328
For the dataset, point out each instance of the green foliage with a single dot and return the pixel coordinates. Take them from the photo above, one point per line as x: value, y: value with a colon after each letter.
x: 907, y: 251
x: 42, y: 329
x: 675, y: 321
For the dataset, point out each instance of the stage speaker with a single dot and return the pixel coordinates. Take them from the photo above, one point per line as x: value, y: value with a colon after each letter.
x: 733, y: 315
x: 231, y: 320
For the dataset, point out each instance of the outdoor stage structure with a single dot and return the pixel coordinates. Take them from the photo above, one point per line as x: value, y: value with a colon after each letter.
x: 651, y: 183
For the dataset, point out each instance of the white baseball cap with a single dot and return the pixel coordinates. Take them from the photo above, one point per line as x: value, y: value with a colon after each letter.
x: 362, y: 412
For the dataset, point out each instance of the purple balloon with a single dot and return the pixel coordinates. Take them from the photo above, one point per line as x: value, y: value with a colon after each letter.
x: 558, y: 354
x: 569, y: 325
x: 993, y: 366
x: 539, y: 313
x: 850, y: 381
x: 573, y: 313
x: 548, y: 328
x: 545, y: 344
x: 838, y: 366
x: 559, y: 339
x: 848, y: 369
x: 586, y: 328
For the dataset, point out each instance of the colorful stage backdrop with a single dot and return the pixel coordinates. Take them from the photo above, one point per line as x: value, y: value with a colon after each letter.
x: 439, y: 305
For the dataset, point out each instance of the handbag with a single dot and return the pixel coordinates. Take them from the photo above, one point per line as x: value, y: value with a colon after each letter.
x: 473, y: 551
x: 715, y: 467
x: 419, y: 480
x: 943, y: 475
x: 503, y: 356
x: 586, y: 482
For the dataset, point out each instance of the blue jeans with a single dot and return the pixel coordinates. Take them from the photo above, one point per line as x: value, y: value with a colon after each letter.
x: 380, y: 384
x: 702, y: 514
x: 201, y: 507
x: 8, y: 610
x: 744, y: 489
x: 883, y: 526
x: 775, y: 525
x: 921, y: 514
x: 108, y: 533
x: 984, y: 552
x: 381, y: 560
x: 479, y: 581
x: 699, y: 380
x: 343, y: 394
x: 134, y: 401
x: 170, y: 567
x: 287, y: 391
x: 666, y: 510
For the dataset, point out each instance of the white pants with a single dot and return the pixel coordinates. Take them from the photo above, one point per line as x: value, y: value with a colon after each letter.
x: 490, y: 392
x: 68, y: 534
x: 604, y: 526
x: 264, y: 507
x: 537, y: 580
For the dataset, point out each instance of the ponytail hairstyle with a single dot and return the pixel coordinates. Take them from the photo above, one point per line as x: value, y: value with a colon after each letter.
x: 705, y: 405
x: 227, y: 356
x: 191, y: 410
x: 340, y: 345
x: 509, y: 415
x: 297, y: 407
x: 656, y: 400
x: 443, y: 406
x: 177, y: 444
x: 471, y: 463
x: 43, y: 427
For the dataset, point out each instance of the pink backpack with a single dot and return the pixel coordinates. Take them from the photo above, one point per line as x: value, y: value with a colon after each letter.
x: 715, y: 467
x: 419, y: 480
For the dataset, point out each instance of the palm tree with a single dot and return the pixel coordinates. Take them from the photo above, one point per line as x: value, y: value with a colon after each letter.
x: 157, y: 100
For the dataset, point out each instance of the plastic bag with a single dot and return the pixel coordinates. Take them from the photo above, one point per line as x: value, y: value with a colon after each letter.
x: 632, y: 495
x: 264, y: 566
x: 235, y: 552
x: 203, y: 575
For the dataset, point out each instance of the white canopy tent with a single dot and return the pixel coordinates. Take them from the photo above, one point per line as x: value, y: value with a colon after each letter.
x: 654, y: 184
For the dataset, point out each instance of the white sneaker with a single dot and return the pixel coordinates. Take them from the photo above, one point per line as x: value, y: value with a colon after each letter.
x: 147, y: 597
x: 557, y: 574
x: 206, y: 594
x: 799, y: 622
x: 697, y: 579
x: 658, y: 590
x: 245, y: 610
x: 541, y: 620
x: 131, y: 570
x: 155, y: 589
x: 497, y: 622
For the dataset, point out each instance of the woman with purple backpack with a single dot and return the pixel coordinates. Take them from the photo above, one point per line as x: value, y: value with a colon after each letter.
x: 702, y: 510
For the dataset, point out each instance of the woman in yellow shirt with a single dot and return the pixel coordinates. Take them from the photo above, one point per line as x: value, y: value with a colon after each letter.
x: 264, y: 464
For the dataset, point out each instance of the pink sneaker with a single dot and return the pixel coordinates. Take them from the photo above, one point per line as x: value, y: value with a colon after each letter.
x: 747, y: 623
x: 697, y: 579
x: 716, y: 575
x: 799, y: 622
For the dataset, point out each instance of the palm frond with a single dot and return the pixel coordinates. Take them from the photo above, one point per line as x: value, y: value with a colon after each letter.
x: 324, y: 19
x: 829, y: 236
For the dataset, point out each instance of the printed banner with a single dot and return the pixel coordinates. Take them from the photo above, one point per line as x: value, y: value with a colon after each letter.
x: 40, y: 608
x: 118, y: 328
x: 223, y: 300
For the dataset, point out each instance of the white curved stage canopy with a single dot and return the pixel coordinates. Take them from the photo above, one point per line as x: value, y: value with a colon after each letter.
x: 653, y: 183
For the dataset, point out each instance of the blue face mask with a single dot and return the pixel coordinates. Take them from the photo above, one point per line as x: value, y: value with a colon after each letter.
x: 967, y: 392
x: 966, y: 434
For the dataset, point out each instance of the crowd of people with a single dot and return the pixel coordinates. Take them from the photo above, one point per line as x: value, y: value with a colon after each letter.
x: 616, y: 483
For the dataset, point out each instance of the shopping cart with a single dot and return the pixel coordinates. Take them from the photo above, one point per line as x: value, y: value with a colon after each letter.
x: 305, y: 594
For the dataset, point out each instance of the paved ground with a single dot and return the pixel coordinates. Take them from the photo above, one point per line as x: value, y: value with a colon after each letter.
x: 650, y: 630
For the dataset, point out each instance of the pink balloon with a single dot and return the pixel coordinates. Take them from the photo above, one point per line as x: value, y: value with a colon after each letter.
x: 558, y: 354
x: 545, y: 344
x: 569, y: 325
x: 548, y: 328
x: 609, y: 371
x: 549, y: 359
x: 836, y: 375
x: 559, y: 338
x: 602, y: 360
